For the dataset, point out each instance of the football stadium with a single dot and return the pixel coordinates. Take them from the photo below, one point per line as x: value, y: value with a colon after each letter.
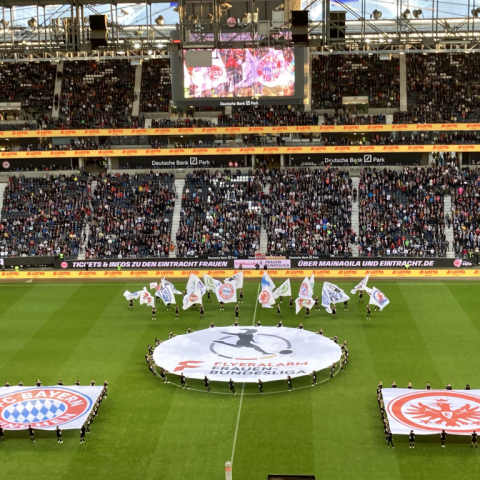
x: 239, y: 241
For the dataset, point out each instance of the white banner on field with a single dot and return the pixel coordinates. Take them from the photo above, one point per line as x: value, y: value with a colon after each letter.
x: 428, y: 412
x: 247, y: 354
x: 46, y: 407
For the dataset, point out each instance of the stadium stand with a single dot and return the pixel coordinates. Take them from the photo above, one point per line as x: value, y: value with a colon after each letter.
x: 44, y: 215
x: 268, y: 115
x: 220, y: 214
x: 401, y: 213
x: 308, y: 212
x: 156, y: 86
x: 338, y: 76
x: 98, y: 94
x: 132, y: 216
x: 31, y: 84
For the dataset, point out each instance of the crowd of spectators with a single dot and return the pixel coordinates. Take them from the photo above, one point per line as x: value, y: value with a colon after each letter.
x: 338, y: 76
x: 442, y: 87
x: 401, y: 213
x: 131, y: 216
x: 220, y: 214
x: 83, y: 143
x: 98, y: 94
x: 44, y: 215
x: 31, y: 84
x: 345, y: 118
x: 156, y: 90
x: 308, y: 212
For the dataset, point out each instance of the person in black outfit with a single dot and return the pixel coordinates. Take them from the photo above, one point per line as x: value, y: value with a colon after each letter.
x: 177, y: 316
x: 332, y: 370
x: 258, y: 324
x: 368, y: 312
x: 7, y: 384
x: 290, y: 303
x: 206, y: 382
x: 60, y: 382
x: 241, y: 296
x: 411, y: 439
x: 169, y: 307
x: 260, y: 386
x: 150, y: 367
x: 32, y: 433
x: 231, y: 387
x: 38, y: 383
x: 279, y: 311
x: 222, y: 306
x: 360, y: 296
x: 314, y: 378
x: 394, y: 385
x: 279, y: 324
x: 307, y: 312
x: 92, y: 383
x: 389, y: 438
x: 163, y: 374
x: 201, y: 310
x: 443, y: 437
x: 154, y: 313
x: 20, y: 384
x: 105, y: 388
x: 300, y: 326
x: 82, y: 434
x: 317, y: 306
x: 474, y: 439
x: 409, y: 386
x: 289, y: 383
x: 237, y: 311
x: 130, y: 304
x: 2, y: 435
x: 448, y: 387
x: 345, y: 306
x: 428, y: 386
x: 467, y: 387
x: 183, y: 381
x: 235, y: 323
x: 59, y: 435
x: 150, y: 349
x: 212, y: 325
x: 209, y: 297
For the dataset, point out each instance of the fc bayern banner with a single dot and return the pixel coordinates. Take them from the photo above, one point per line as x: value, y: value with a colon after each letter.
x: 46, y: 407
x: 247, y: 354
x: 226, y: 293
x: 378, y: 298
x: 428, y: 412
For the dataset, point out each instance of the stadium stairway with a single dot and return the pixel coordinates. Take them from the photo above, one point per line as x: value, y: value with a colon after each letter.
x: 403, y: 84
x: 57, y: 91
x: 447, y: 210
x: 86, y: 230
x: 137, y: 89
x: 179, y: 184
x: 3, y: 187
x: 263, y: 231
x: 355, y: 219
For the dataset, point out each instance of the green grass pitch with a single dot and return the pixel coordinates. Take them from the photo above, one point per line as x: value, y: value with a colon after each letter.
x: 149, y: 430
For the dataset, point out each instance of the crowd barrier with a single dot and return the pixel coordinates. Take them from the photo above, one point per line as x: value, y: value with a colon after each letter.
x: 416, y: 127
x: 130, y: 275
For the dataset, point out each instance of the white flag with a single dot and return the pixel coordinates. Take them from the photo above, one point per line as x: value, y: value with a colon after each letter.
x: 210, y: 283
x: 284, y: 290
x: 146, y: 298
x: 303, y: 302
x: 194, y: 283
x: 165, y: 283
x: 166, y: 294
x: 332, y: 294
x: 226, y: 293
x: 132, y: 296
x: 378, y: 298
x: 312, y: 280
x: 266, y: 298
x: 267, y: 282
x: 237, y: 280
x: 361, y: 285
x: 192, y: 298
x: 306, y: 290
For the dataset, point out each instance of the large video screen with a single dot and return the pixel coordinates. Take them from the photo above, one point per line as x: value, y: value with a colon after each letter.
x: 262, y: 72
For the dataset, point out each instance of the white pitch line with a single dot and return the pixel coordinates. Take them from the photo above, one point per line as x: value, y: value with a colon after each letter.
x: 243, y: 388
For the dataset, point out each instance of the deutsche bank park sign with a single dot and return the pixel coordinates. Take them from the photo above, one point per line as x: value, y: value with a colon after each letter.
x: 247, y: 354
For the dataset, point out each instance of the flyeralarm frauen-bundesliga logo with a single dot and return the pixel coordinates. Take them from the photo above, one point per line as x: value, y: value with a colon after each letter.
x: 252, y: 353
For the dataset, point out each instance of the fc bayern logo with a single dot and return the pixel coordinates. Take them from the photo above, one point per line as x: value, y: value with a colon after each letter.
x: 226, y: 291
x: 304, y: 289
x: 454, y: 412
x: 42, y: 407
x: 379, y: 297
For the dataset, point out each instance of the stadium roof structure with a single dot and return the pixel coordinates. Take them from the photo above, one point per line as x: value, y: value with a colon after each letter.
x: 53, y: 29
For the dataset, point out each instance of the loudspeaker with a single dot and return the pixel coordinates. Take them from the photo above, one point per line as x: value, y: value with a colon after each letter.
x: 300, y: 26
x: 98, y: 31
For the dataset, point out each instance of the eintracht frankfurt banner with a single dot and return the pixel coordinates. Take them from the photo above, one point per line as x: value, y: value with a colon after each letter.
x: 46, y: 407
x: 428, y: 412
x: 247, y: 354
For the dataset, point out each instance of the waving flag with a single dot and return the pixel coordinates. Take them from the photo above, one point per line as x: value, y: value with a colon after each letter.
x: 267, y: 282
x: 191, y: 299
x: 226, y: 293
x: 332, y: 294
x: 132, y: 296
x: 266, y: 298
x: 237, y: 280
x: 166, y: 294
x: 303, y: 302
x: 146, y: 298
x: 306, y: 290
x: 378, y: 298
x: 312, y: 280
x: 210, y: 283
x: 165, y: 283
x: 284, y: 290
x: 361, y: 285
x: 194, y: 283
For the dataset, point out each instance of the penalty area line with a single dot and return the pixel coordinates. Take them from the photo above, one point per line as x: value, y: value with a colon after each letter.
x: 243, y: 388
